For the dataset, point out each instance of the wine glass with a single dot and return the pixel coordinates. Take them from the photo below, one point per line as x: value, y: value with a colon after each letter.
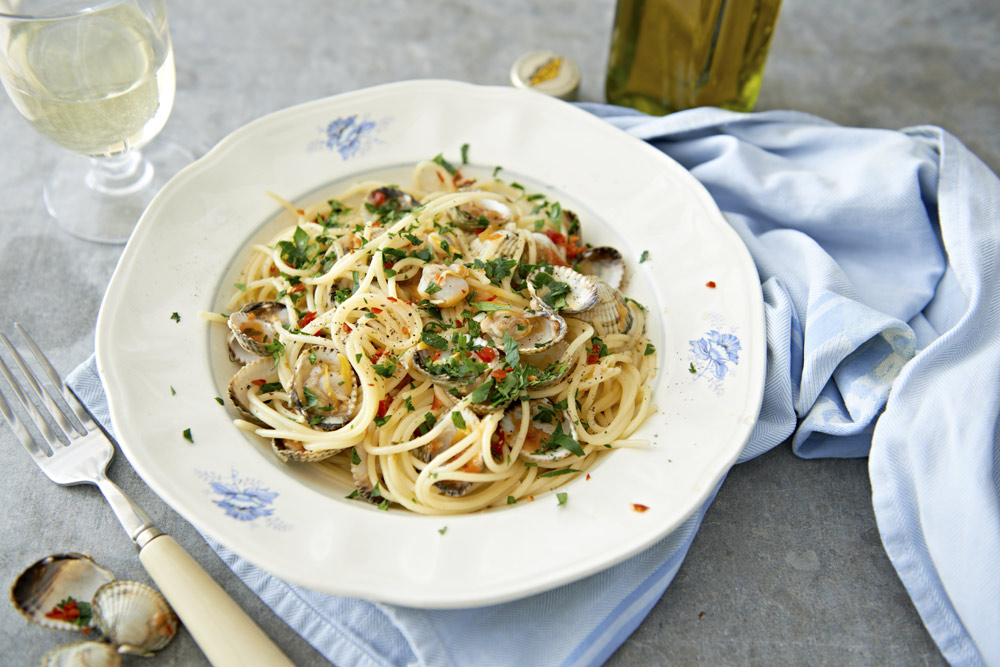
x: 95, y: 77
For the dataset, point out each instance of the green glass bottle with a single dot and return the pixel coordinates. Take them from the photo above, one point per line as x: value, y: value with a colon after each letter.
x: 668, y: 55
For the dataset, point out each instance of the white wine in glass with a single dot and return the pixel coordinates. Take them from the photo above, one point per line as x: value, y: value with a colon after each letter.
x: 96, y: 78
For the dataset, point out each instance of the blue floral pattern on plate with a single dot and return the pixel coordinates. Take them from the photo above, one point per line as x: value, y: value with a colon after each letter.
x: 351, y: 135
x: 713, y: 356
x: 242, y: 498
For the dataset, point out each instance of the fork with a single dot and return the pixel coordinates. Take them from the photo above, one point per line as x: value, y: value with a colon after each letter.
x: 222, y: 630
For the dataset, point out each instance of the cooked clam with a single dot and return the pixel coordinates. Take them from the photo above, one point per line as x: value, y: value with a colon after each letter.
x: 82, y: 654
x: 252, y: 376
x: 448, y: 436
x: 480, y: 213
x: 387, y: 205
x: 533, y: 330
x: 443, y: 285
x: 295, y: 450
x: 324, y: 387
x: 134, y: 617
x: 452, y: 370
x: 49, y: 591
x: 563, y: 289
x: 539, y: 444
x: 491, y: 245
x: 255, y: 326
x: 604, y: 263
x: 611, y: 314
x: 553, y: 365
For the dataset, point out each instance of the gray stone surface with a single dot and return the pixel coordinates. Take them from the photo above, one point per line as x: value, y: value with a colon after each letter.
x: 788, y: 567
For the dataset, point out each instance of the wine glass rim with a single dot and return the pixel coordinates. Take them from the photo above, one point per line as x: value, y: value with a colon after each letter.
x: 60, y: 12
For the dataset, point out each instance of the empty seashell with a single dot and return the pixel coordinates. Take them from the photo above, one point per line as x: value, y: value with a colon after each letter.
x: 82, y: 654
x: 54, y: 591
x: 134, y: 617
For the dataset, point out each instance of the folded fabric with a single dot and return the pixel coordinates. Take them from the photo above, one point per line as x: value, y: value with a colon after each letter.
x: 877, y: 251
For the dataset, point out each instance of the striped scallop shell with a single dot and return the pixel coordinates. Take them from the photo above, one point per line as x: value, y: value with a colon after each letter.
x: 82, y: 654
x: 134, y: 617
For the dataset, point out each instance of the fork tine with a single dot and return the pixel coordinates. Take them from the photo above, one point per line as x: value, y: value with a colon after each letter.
x: 21, y: 431
x: 29, y: 407
x: 44, y: 395
x: 71, y: 399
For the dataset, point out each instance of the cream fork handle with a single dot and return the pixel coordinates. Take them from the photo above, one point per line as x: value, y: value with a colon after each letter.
x: 223, y: 631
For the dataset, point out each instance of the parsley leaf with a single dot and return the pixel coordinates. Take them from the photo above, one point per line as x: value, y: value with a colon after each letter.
x: 458, y: 420
x: 644, y: 256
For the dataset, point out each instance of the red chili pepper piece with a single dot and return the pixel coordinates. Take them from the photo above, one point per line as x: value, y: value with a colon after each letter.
x: 487, y: 354
x: 307, y: 318
x: 383, y: 406
x: 710, y: 283
x: 499, y: 374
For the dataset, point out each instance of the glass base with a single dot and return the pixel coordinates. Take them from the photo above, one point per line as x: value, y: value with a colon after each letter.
x: 101, y: 199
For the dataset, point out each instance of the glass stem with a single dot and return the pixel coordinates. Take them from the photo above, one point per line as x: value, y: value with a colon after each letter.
x: 119, y: 174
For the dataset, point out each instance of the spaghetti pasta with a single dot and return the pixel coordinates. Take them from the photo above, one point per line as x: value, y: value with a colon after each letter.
x: 445, y: 347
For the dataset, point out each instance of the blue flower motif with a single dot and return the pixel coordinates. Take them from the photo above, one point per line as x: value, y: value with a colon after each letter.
x: 347, y: 135
x: 717, y: 350
x: 243, y: 503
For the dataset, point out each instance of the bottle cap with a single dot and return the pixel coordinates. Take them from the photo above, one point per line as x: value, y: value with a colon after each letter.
x: 546, y: 72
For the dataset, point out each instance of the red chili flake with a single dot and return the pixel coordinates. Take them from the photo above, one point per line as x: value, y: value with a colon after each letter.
x: 459, y: 322
x: 378, y: 353
x: 593, y: 358
x: 711, y: 284
x: 487, y: 354
x: 375, y: 310
x: 67, y: 610
x: 555, y: 237
x: 497, y: 442
x: 378, y: 197
x: 436, y: 403
x: 392, y: 298
x: 300, y: 211
x: 499, y: 374
x: 440, y: 177
x: 298, y: 288
x: 259, y: 383
x: 492, y: 297
x: 588, y: 477
x: 307, y: 318
x: 347, y: 328
x: 383, y: 406
x: 639, y: 508
x: 405, y: 329
x: 436, y: 356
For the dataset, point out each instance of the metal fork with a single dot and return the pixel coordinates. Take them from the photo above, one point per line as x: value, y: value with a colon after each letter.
x: 224, y: 632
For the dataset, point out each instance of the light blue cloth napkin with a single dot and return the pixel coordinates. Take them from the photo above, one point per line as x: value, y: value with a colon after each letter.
x: 878, y: 254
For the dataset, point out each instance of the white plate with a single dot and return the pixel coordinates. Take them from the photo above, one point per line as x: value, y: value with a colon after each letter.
x: 162, y: 376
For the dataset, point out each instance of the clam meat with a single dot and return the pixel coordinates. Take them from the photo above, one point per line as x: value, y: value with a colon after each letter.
x: 490, y: 245
x: 480, y: 213
x: 443, y: 285
x: 255, y: 326
x: 533, y: 330
x: 387, y: 205
x: 324, y: 387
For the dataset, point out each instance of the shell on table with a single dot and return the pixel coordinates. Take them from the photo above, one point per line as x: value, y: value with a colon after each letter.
x: 134, y: 617
x: 82, y: 654
x: 42, y: 592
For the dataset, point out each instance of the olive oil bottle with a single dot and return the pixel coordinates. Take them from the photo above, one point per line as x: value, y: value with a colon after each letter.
x: 668, y: 55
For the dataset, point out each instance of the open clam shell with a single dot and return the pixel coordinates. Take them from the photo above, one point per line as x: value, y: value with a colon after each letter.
x: 563, y: 289
x: 491, y: 245
x: 41, y: 592
x: 255, y: 326
x: 534, y: 330
x: 82, y: 654
x: 480, y: 213
x: 612, y: 313
x: 324, y: 387
x: 134, y: 617
x: 294, y: 450
x: 545, y: 420
x: 387, y: 205
x: 248, y: 379
x: 604, y: 263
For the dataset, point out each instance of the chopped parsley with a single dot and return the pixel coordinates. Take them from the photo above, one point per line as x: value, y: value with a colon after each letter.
x: 298, y: 253
x: 644, y: 256
x: 175, y: 317
x: 458, y: 420
x: 558, y: 471
x: 562, y: 496
x: 439, y: 160
x: 187, y: 435
x: 218, y: 399
x: 649, y: 350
